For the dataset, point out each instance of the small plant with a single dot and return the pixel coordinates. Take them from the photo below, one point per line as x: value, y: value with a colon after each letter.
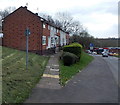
x: 69, y: 58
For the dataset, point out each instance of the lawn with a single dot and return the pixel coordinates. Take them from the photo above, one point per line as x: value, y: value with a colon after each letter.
x: 117, y: 56
x: 17, y: 82
x: 67, y: 72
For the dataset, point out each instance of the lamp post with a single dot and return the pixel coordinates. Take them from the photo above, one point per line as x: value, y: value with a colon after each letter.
x: 27, y: 34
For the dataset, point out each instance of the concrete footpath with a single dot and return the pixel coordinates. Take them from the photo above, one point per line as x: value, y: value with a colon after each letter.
x: 94, y: 84
x: 50, y: 78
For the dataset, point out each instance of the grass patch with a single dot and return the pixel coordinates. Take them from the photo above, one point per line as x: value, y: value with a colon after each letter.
x: 17, y: 81
x: 67, y: 72
x: 117, y: 56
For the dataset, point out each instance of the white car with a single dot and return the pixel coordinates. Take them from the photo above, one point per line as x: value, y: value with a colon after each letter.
x: 95, y: 53
x: 104, y: 54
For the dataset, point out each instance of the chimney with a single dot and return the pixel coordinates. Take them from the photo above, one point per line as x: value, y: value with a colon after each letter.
x: 25, y: 7
x: 36, y: 14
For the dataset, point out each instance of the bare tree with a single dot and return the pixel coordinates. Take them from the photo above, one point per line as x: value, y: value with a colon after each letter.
x: 76, y: 28
x: 49, y: 18
x: 58, y: 23
x: 6, y: 12
x: 67, y: 23
x: 65, y: 19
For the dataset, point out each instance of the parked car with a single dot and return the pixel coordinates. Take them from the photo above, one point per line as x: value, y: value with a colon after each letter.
x: 104, y: 54
x: 110, y: 54
x: 88, y: 51
x: 115, y: 54
x: 95, y: 53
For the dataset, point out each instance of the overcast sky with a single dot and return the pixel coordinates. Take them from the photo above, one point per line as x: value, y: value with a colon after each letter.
x: 99, y: 16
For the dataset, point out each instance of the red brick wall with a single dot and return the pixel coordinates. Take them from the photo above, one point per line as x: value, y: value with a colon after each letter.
x: 14, y: 27
x: 1, y: 41
x: 46, y: 32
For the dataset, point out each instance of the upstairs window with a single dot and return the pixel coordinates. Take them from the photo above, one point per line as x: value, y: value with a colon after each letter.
x: 43, y: 40
x: 57, y: 30
x: 48, y: 27
x: 43, y: 25
x: 52, y: 28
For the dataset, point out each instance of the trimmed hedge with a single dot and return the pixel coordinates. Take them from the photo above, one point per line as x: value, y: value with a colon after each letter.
x: 74, y: 48
x: 69, y: 58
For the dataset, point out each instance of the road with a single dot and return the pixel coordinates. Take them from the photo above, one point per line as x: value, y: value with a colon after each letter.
x: 95, y: 84
x: 113, y: 65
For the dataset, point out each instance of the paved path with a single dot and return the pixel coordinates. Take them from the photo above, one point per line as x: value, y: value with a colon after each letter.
x: 50, y: 78
x: 95, y: 84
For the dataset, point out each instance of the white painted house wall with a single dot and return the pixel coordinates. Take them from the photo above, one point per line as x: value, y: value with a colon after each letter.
x: 51, y: 39
x: 62, y: 38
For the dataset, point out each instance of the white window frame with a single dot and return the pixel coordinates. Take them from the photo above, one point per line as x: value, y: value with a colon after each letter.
x: 48, y: 27
x: 43, y: 40
x: 43, y: 25
x: 52, y: 28
x: 57, y: 30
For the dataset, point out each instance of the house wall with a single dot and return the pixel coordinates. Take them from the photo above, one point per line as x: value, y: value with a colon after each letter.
x: 67, y: 38
x: 15, y: 24
x: 62, y: 38
x: 46, y: 32
x: 53, y: 32
x: 14, y: 27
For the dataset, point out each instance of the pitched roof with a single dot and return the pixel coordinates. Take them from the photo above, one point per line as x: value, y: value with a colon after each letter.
x: 36, y: 14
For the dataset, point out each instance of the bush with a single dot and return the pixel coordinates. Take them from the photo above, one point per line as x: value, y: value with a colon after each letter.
x: 69, y: 58
x: 74, y: 48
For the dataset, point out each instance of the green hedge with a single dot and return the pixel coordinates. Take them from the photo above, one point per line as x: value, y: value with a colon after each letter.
x: 69, y: 58
x: 74, y: 48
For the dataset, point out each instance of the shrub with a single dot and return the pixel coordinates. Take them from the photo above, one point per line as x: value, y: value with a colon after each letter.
x: 69, y: 58
x: 74, y: 48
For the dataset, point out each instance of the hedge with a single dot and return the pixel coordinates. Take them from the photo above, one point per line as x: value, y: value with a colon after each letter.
x: 74, y: 48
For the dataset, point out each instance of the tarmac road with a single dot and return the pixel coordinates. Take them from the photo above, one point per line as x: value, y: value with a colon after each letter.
x: 113, y: 65
x: 95, y: 84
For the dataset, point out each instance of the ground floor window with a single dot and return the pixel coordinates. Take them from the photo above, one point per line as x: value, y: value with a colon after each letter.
x: 57, y: 39
x: 43, y: 40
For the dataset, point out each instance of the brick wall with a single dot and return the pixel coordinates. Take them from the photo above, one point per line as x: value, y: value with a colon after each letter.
x: 46, y: 32
x: 14, y: 27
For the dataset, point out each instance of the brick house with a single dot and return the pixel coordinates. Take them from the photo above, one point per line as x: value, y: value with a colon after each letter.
x: 44, y: 35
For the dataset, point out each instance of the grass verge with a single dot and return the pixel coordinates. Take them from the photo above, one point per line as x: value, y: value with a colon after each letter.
x: 67, y: 72
x: 117, y: 56
x: 17, y: 82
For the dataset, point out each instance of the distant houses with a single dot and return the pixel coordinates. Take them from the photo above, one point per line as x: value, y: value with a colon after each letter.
x: 44, y: 35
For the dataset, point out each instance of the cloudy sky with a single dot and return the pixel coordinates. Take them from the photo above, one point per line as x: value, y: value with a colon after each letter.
x: 99, y: 16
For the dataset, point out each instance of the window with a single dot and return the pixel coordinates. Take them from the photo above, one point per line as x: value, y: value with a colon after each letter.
x: 52, y: 40
x: 57, y: 30
x: 48, y: 27
x: 51, y: 28
x: 43, y: 40
x: 57, y: 39
x: 43, y: 25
